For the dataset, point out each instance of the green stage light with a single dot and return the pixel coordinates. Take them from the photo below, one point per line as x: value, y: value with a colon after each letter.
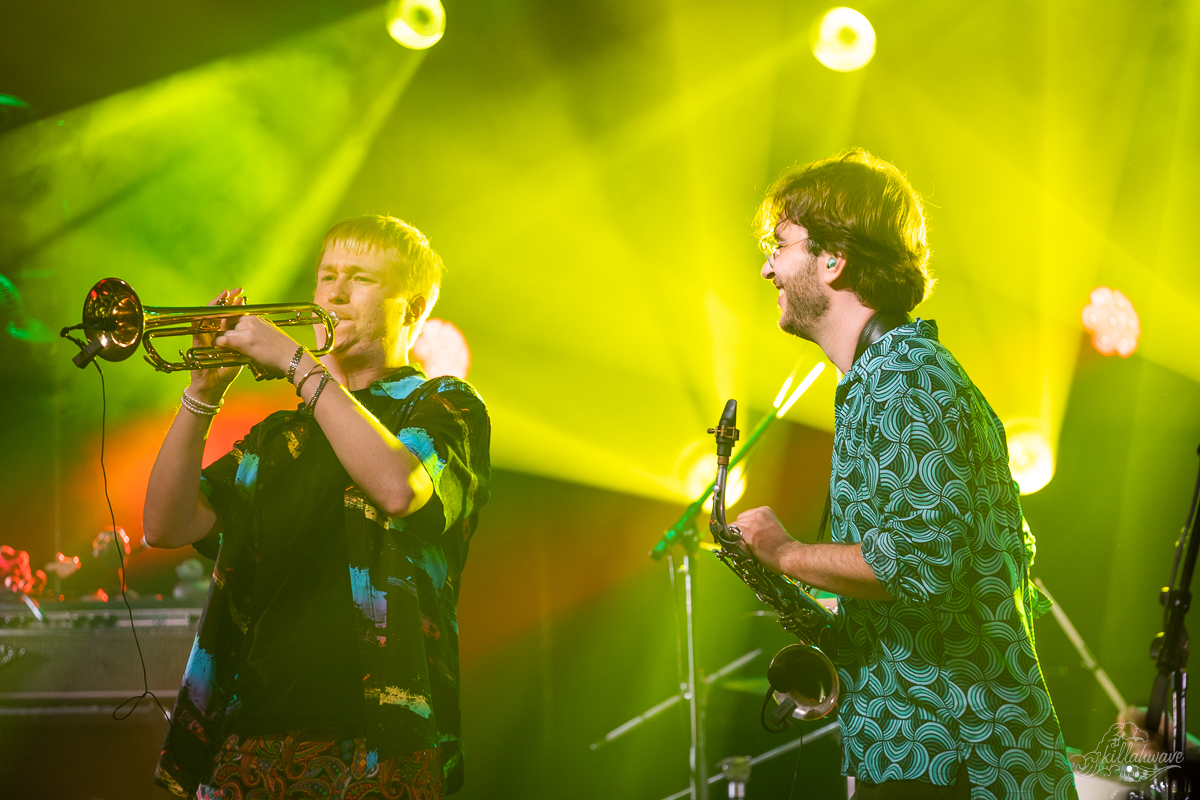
x: 416, y: 24
x: 845, y: 40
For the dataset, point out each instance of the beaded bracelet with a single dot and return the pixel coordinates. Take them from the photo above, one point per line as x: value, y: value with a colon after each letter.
x: 291, y: 372
x: 312, y: 401
x: 199, y: 407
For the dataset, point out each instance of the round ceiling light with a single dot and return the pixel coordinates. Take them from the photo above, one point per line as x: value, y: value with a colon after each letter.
x: 845, y: 40
x: 1112, y: 321
x: 1030, y: 457
x: 416, y: 24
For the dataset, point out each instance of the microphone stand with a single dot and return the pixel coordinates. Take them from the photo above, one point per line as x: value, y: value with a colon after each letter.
x: 1170, y: 651
x: 685, y: 534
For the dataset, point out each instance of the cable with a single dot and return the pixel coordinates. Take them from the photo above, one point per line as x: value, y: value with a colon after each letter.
x: 120, y: 545
x: 796, y: 771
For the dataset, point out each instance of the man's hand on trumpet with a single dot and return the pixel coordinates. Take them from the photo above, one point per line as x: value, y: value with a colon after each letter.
x: 209, y: 385
x: 264, y: 343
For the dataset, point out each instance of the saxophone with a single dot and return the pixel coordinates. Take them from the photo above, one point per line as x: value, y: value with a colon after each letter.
x: 802, y: 677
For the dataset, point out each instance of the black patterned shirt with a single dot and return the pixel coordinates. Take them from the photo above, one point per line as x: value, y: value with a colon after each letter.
x: 402, y: 577
x: 947, y: 672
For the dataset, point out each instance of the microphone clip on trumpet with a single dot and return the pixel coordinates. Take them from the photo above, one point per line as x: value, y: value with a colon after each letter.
x: 115, y: 322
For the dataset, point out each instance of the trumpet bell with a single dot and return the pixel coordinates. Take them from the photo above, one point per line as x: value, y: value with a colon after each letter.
x: 113, y: 316
x: 806, y: 675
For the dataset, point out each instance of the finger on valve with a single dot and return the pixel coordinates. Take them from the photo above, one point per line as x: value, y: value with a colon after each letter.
x: 233, y: 298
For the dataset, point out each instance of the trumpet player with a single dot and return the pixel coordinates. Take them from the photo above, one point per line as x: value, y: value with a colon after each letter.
x: 942, y: 693
x: 326, y: 661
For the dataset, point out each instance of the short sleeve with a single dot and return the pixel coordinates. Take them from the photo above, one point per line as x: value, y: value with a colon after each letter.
x: 919, y: 548
x: 229, y: 484
x: 449, y: 433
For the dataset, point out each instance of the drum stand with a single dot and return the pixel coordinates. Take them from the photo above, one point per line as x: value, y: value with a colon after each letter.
x: 1170, y: 651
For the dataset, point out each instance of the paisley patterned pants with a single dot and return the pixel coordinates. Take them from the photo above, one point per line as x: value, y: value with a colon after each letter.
x: 318, y: 764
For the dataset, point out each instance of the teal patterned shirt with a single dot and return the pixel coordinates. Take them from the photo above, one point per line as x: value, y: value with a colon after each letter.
x: 947, y: 672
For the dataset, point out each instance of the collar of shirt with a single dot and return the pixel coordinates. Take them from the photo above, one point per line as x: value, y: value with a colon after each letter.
x: 399, y: 384
x: 869, y: 362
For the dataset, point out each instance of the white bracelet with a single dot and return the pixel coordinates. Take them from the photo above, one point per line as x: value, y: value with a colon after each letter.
x: 199, y: 407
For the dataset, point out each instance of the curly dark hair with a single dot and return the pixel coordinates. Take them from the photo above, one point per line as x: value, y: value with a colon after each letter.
x: 863, y: 209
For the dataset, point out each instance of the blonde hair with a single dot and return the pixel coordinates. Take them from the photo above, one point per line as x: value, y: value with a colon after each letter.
x: 416, y: 270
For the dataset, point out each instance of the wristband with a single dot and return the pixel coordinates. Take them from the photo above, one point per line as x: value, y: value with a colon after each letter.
x: 312, y: 401
x: 199, y: 407
x: 300, y: 385
x: 291, y: 371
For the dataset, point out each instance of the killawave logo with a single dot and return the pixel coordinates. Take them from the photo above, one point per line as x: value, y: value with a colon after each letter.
x: 1126, y: 752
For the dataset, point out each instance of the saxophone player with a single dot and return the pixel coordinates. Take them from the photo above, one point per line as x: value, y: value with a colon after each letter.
x: 942, y: 693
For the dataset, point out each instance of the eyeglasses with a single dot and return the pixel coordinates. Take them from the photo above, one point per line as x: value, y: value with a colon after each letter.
x: 770, y: 246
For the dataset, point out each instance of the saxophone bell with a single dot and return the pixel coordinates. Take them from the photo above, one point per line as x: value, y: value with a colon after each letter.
x: 806, y: 676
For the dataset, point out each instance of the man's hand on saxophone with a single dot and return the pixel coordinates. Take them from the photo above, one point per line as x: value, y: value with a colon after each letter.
x: 837, y: 568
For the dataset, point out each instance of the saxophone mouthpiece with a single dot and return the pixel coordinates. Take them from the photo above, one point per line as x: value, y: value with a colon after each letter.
x: 729, y: 415
x: 726, y: 430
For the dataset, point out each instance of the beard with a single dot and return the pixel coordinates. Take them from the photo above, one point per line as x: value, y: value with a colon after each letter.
x: 803, y: 303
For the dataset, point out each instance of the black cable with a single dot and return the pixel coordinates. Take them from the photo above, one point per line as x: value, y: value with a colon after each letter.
x: 120, y: 545
x: 796, y: 771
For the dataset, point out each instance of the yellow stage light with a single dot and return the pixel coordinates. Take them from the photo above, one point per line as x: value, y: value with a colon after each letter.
x: 845, y: 40
x: 416, y: 24
x: 701, y: 474
x: 785, y: 405
x: 1030, y: 457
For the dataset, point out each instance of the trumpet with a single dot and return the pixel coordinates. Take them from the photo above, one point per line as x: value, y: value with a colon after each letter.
x: 115, y: 322
x: 802, y: 677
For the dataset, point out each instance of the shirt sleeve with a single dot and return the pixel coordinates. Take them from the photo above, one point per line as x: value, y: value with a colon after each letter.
x: 1039, y: 603
x: 229, y: 484
x: 919, y: 547
x: 449, y: 433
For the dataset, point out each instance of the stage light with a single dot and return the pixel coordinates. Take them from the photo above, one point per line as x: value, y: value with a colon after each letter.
x: 1030, y: 458
x: 441, y: 349
x: 845, y: 40
x: 701, y: 474
x: 1112, y: 321
x: 785, y: 405
x: 416, y: 24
